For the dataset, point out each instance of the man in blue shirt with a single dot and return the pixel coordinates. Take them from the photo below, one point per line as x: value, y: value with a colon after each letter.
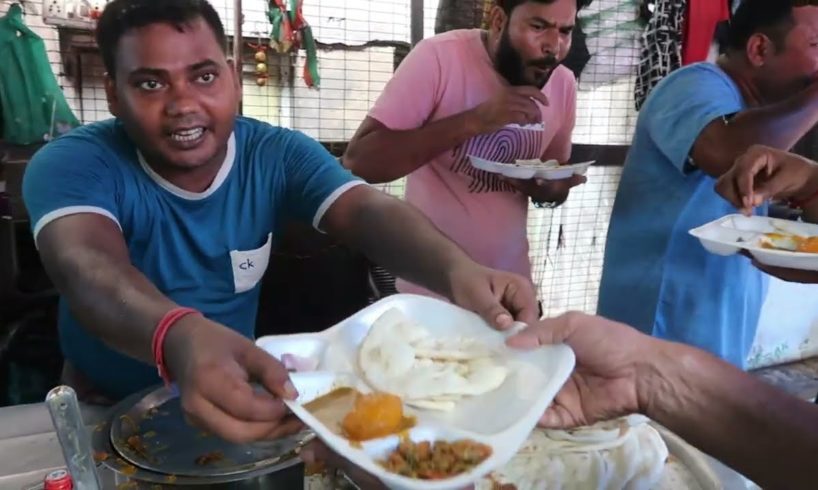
x: 657, y: 277
x: 177, y: 202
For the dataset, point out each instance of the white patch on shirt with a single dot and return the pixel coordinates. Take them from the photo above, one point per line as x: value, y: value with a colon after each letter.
x: 249, y: 265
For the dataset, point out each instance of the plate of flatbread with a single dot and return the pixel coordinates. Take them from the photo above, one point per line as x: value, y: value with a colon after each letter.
x: 530, y: 169
x: 443, y: 400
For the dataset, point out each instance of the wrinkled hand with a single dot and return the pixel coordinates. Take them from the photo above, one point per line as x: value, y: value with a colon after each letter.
x: 763, y: 173
x: 604, y: 384
x: 512, y: 105
x: 553, y: 191
x: 499, y: 297
x: 213, y: 367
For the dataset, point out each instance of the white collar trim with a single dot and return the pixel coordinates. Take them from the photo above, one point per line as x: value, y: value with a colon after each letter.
x: 224, y: 171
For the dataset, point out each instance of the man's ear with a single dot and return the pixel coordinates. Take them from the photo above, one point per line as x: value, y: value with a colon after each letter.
x: 111, y: 95
x: 497, y: 19
x: 759, y: 49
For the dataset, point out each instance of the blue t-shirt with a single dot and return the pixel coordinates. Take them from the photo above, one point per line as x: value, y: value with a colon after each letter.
x: 204, y: 250
x: 656, y: 277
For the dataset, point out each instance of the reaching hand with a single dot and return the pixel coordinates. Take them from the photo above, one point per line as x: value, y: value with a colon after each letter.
x: 512, y: 105
x: 604, y: 383
x: 499, y: 297
x: 764, y: 173
x: 213, y: 367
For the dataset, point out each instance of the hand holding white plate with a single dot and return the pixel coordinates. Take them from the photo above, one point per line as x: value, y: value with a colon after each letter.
x: 500, y: 418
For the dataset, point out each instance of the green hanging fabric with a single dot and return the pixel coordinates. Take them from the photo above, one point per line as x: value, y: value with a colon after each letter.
x: 311, y: 77
x: 33, y: 107
x: 290, y: 31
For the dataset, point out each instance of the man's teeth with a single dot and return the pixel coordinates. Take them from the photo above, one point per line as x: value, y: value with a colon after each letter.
x: 187, y: 134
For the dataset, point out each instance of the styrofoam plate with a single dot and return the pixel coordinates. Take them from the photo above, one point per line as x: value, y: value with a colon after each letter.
x: 550, y: 170
x: 527, y: 127
x: 502, y: 418
x: 735, y: 232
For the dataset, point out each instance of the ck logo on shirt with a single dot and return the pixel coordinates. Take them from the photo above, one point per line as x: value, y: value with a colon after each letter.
x: 249, y: 265
x: 506, y: 145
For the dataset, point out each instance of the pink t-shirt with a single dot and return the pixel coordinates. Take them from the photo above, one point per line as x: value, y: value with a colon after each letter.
x: 449, y: 74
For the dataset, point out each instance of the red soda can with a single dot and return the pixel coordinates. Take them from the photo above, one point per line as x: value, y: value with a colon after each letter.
x: 58, y: 480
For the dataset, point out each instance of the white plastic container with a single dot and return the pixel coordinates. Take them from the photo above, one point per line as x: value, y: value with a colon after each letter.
x: 502, y: 418
x: 735, y: 232
x: 550, y: 170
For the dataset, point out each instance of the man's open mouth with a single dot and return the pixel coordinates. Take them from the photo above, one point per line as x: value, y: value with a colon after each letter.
x: 187, y: 135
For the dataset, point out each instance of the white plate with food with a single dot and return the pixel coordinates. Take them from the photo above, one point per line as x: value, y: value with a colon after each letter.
x: 771, y: 241
x: 530, y: 169
x: 412, y: 378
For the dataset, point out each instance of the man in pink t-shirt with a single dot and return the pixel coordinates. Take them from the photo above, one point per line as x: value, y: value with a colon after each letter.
x: 467, y: 92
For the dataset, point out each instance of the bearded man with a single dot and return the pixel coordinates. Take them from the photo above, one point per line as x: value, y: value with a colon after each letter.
x: 477, y: 92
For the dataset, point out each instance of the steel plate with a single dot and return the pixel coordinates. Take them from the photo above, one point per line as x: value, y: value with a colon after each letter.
x: 149, y: 432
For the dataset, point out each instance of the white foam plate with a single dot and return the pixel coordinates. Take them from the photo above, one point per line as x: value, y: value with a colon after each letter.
x: 735, y: 232
x: 502, y: 418
x: 527, y: 127
x: 550, y: 170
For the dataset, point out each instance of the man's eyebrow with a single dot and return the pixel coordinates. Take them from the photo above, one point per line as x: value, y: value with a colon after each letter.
x: 203, y: 64
x: 159, y: 72
x: 147, y: 71
x: 551, y: 23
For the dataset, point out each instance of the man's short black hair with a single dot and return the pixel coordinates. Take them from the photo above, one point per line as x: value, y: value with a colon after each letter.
x: 509, y: 5
x: 773, y: 18
x: 120, y: 16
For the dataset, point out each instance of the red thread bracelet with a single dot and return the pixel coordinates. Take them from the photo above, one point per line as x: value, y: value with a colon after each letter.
x: 158, y: 341
x: 800, y: 203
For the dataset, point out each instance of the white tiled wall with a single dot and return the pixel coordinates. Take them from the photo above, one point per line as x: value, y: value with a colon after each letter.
x: 567, y: 243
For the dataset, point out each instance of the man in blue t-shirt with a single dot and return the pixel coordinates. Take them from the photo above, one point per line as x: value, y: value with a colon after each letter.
x: 177, y: 202
x: 695, y: 123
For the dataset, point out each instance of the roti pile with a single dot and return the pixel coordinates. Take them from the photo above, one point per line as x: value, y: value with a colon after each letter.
x: 622, y: 453
x: 401, y: 357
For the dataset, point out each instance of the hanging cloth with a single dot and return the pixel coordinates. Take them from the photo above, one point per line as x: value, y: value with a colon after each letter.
x: 661, y: 47
x: 33, y: 107
x: 700, y: 27
x: 291, y: 32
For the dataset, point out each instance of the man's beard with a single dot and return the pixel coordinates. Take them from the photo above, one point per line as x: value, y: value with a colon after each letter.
x: 511, y: 66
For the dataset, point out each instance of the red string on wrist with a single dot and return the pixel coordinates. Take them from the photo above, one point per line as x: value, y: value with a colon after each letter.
x: 158, y: 341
